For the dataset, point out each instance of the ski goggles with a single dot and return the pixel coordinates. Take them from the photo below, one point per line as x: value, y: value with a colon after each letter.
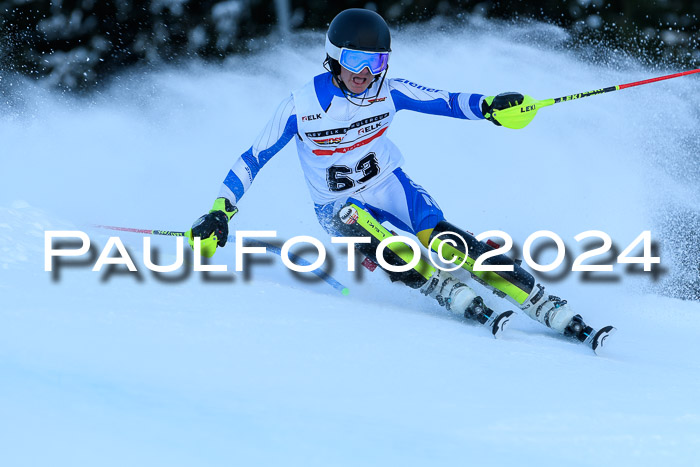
x: 357, y: 60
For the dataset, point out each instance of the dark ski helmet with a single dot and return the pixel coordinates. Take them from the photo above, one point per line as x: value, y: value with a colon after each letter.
x: 363, y: 30
x: 359, y: 29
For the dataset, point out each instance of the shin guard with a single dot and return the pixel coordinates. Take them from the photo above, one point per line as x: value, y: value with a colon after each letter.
x: 353, y: 221
x: 517, y: 284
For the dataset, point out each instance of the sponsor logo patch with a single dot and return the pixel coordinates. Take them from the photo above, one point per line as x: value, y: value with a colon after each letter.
x: 343, y: 150
x: 342, y: 131
x: 308, y: 118
x: 417, y: 86
x: 348, y: 215
x: 369, y: 128
x: 327, y: 141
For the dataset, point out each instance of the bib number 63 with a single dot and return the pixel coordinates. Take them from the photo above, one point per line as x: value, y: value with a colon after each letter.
x: 337, y: 175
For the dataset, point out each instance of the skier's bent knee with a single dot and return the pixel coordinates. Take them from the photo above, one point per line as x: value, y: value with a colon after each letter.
x: 353, y: 221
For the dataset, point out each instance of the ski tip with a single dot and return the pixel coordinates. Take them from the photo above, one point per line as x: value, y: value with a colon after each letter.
x: 345, y: 291
x: 600, y: 338
x: 501, y: 322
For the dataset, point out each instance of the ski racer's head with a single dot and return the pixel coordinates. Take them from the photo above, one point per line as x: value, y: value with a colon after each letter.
x: 358, y: 45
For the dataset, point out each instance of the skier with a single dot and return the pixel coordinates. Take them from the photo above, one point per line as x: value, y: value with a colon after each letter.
x: 353, y: 171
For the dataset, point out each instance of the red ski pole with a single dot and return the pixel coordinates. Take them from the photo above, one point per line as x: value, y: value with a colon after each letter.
x: 519, y: 116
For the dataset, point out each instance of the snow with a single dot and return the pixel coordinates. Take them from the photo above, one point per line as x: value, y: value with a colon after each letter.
x: 124, y: 369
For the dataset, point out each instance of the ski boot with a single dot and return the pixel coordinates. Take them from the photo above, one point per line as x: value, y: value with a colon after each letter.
x: 580, y: 331
x: 460, y: 299
x: 555, y: 313
x: 478, y: 311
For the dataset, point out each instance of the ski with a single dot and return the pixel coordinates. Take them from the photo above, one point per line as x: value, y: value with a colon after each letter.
x: 599, y: 339
x: 500, y: 323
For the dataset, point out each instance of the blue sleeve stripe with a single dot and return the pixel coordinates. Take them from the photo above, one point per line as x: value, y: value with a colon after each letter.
x: 474, y: 105
x: 234, y: 184
x: 435, y: 106
x: 454, y: 105
x: 323, y: 84
x: 290, y: 129
x: 400, y: 100
x: 251, y: 162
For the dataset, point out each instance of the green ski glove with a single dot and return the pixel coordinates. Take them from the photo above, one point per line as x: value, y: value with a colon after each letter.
x: 212, y: 228
x: 500, y: 102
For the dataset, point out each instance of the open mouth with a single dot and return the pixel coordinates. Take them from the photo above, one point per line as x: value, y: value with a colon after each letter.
x: 359, y: 81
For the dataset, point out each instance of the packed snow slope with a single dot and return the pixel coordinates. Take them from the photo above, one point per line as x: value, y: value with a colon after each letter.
x: 137, y: 369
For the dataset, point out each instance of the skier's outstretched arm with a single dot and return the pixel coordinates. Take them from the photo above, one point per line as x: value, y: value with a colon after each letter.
x: 408, y: 95
x: 212, y: 228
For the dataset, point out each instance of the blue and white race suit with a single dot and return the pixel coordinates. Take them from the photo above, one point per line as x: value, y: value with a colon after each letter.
x: 344, y: 151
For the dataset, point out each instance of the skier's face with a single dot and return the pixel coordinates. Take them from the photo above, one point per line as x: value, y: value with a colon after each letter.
x: 357, y: 83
